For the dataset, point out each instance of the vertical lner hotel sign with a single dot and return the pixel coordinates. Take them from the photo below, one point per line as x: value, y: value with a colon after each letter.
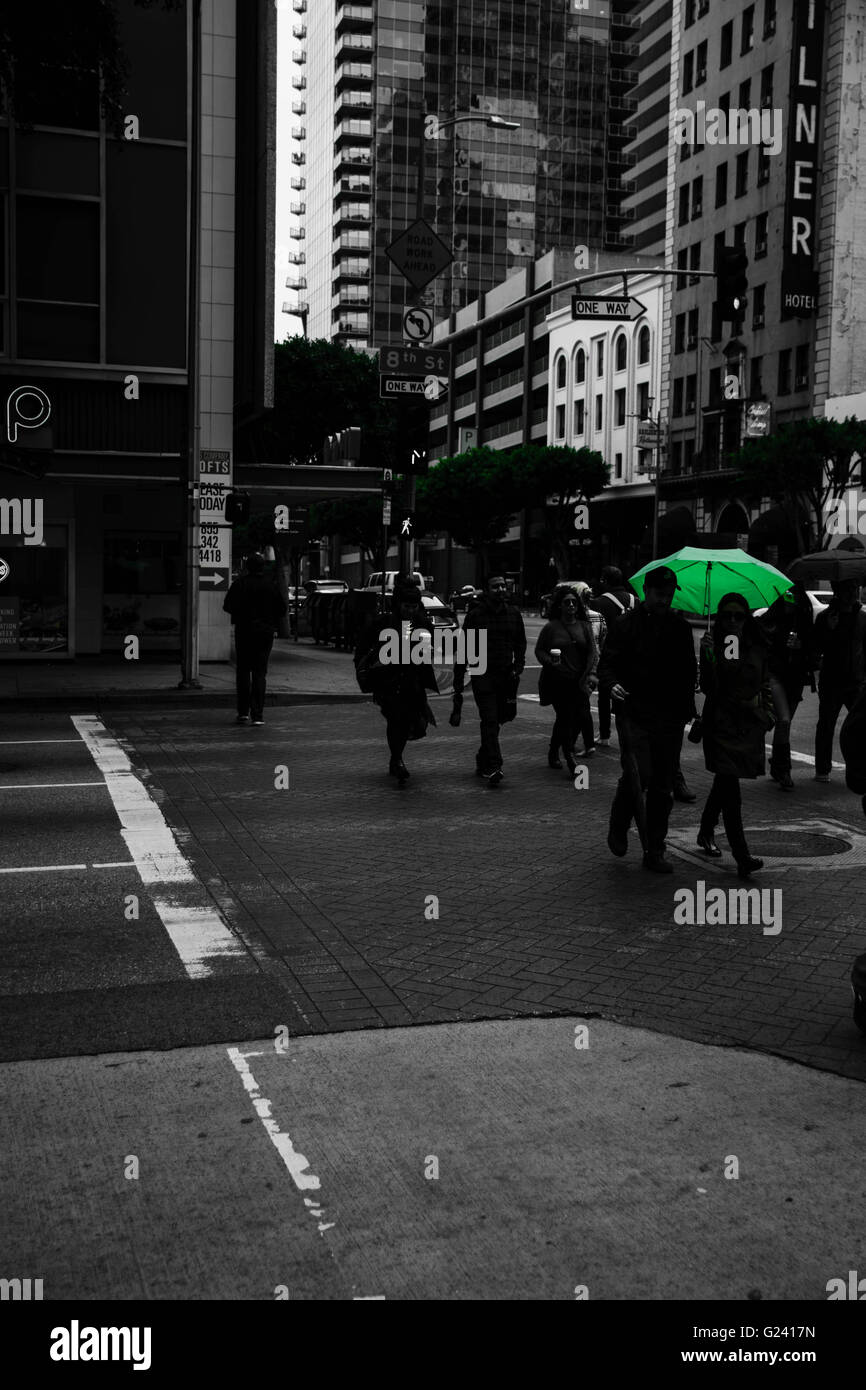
x: 799, y: 273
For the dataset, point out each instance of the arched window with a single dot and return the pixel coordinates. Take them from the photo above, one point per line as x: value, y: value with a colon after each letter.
x: 643, y: 345
x: 621, y: 353
x: 560, y: 373
x: 580, y: 366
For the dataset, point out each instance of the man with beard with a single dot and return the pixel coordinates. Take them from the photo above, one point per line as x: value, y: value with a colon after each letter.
x: 502, y: 636
x: 648, y: 665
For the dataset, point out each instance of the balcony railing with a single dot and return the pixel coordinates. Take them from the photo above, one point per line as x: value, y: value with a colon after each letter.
x: 298, y: 209
x: 299, y: 108
x: 299, y: 132
x: 298, y: 182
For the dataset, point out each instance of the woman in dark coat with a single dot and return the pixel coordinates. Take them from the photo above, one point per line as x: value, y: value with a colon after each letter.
x: 399, y: 688
x: 787, y: 629
x: 566, y: 679
x: 737, y: 714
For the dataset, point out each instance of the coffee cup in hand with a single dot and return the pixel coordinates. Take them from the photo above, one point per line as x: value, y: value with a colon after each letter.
x: 556, y: 655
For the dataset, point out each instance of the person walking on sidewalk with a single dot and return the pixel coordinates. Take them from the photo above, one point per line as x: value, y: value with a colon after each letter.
x: 612, y: 602
x: 399, y: 686
x: 648, y: 667
x: 599, y: 633
x: 840, y: 640
x: 568, y: 654
x: 256, y: 607
x: 852, y: 741
x: 787, y: 630
x: 502, y: 635
x: 737, y: 714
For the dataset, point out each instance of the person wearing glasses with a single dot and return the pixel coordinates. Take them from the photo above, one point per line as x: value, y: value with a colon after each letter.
x: 737, y: 715
x: 568, y: 655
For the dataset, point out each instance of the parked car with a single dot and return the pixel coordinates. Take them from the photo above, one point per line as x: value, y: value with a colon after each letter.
x: 461, y: 599
x: 438, y: 612
x: 819, y: 598
x: 326, y: 602
x: 374, y: 581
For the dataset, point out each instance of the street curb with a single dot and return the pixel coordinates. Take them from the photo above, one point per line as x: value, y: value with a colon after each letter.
x: 78, y: 703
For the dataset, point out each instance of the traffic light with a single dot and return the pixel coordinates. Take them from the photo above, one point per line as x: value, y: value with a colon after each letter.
x: 238, y: 508
x: 407, y: 526
x: 731, y: 269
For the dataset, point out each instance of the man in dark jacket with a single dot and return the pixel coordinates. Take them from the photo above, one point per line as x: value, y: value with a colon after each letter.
x: 840, y: 640
x: 500, y: 629
x: 612, y: 601
x: 648, y: 664
x: 256, y: 607
x: 852, y: 741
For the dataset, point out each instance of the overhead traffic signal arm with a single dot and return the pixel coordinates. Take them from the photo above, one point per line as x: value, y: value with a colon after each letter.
x: 731, y: 269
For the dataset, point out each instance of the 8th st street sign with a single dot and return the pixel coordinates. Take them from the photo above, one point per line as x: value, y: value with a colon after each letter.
x: 609, y: 307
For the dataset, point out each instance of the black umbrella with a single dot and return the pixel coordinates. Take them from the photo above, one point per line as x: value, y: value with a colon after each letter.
x: 836, y: 564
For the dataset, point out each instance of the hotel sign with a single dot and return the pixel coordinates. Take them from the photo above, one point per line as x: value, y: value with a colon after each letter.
x: 799, y: 274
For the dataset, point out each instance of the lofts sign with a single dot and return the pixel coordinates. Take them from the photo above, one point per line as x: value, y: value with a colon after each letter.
x: 799, y: 273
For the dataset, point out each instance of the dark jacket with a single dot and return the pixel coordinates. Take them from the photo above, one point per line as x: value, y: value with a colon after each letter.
x: 579, y: 658
x: 652, y: 655
x: 737, y: 713
x: 791, y: 666
x: 610, y: 610
x: 506, y: 642
x: 852, y: 741
x: 255, y: 604
x: 396, y: 682
x: 842, y: 646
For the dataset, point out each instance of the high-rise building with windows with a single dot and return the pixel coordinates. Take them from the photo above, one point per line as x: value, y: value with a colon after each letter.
x: 367, y: 74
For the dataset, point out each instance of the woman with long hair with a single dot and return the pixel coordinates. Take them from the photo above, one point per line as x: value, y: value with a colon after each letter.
x: 568, y: 654
x: 398, y: 686
x: 737, y: 714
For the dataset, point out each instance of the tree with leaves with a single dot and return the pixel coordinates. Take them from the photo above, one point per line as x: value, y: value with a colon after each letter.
x: 474, y: 496
x: 811, y: 462
x: 357, y: 520
x: 559, y: 479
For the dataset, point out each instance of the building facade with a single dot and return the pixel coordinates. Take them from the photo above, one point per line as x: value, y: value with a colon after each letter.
x: 560, y: 70
x: 767, y: 152
x: 137, y: 334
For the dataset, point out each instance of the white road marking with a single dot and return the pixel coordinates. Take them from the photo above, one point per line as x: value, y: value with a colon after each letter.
x: 44, y: 786
x: 196, y: 929
x: 11, y: 742
x: 66, y: 868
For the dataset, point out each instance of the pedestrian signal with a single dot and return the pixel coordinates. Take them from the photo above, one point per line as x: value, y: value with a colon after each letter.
x: 238, y: 508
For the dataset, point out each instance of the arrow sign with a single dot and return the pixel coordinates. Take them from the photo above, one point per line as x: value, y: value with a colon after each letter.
x: 214, y: 577
x: 612, y: 307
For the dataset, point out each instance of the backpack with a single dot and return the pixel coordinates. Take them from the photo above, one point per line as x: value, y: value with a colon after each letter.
x: 621, y: 606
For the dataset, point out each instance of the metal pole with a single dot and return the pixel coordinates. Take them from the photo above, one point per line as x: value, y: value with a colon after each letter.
x: 192, y: 510
x: 657, y: 481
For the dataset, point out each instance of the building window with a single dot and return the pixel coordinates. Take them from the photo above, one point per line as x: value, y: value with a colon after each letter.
x: 617, y: 464
x: 619, y: 409
x: 690, y: 14
x: 742, y: 182
x: 701, y: 64
x: 762, y: 222
x: 689, y: 456
x: 763, y: 166
x: 748, y: 30
x: 58, y: 279
x: 560, y: 373
x: 580, y: 365
x: 688, y: 73
x: 579, y: 417
x: 727, y: 47
x: 676, y: 457
x: 725, y: 105
x: 697, y: 198
x: 685, y: 151
x: 721, y: 184
x: 801, y: 368
x: 745, y: 99
x: 740, y: 234
x: 783, y: 386
x: 678, y: 396
x: 758, y: 306
x: 680, y: 333
x: 715, y: 386
x: 691, y: 388
x: 767, y: 87
x: 621, y: 353
x: 756, y: 389
x: 682, y: 264
x: 695, y: 262
x: 692, y: 334
x: 643, y: 346
x: 684, y: 204
x: 559, y: 428
x: 643, y: 400
x: 769, y: 18
x: 599, y: 358
x: 598, y: 412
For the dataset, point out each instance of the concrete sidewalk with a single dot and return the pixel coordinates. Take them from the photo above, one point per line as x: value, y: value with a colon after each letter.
x: 297, y: 671
x: 523, y: 1160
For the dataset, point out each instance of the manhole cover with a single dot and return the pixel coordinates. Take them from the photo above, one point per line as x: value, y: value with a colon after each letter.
x: 787, y: 843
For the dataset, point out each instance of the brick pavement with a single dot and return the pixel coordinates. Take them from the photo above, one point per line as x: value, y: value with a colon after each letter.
x: 327, y: 882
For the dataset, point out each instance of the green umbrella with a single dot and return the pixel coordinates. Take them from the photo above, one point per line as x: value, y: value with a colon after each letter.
x: 705, y: 576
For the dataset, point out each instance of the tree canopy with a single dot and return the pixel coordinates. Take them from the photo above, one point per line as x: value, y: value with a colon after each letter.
x: 815, y: 460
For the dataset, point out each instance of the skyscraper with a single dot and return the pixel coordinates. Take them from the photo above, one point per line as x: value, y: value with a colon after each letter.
x: 498, y: 197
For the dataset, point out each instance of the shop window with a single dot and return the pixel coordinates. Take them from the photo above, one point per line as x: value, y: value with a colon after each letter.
x: 34, y: 601
x: 141, y: 589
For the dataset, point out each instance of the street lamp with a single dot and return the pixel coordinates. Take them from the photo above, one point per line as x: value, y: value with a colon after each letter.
x: 430, y: 128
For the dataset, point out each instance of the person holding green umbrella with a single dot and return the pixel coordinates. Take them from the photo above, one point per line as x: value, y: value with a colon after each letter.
x: 703, y: 576
x: 648, y: 666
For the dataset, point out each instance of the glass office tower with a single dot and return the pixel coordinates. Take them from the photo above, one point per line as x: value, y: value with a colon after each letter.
x: 498, y: 198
